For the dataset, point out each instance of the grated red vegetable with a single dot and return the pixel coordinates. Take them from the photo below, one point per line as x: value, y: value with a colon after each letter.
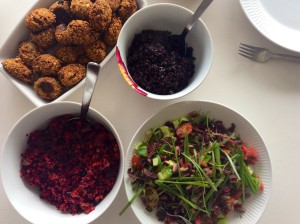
x: 73, y: 166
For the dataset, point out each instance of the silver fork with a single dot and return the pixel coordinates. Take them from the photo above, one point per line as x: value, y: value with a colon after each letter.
x: 262, y: 55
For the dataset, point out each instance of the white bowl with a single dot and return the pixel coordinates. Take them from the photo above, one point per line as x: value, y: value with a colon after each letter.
x: 173, y: 18
x: 10, y: 50
x: 26, y: 200
x: 256, y: 204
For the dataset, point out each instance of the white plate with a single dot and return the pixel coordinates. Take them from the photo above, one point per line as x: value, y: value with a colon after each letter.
x: 256, y: 204
x: 10, y: 50
x: 277, y: 20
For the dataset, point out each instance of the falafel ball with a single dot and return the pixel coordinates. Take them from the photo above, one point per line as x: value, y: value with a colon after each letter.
x: 16, y: 68
x: 67, y: 54
x: 100, y: 15
x: 127, y: 8
x: 81, y: 8
x: 46, y: 65
x: 48, y: 88
x: 39, y: 19
x: 45, y: 38
x: 77, y: 32
x: 113, y: 30
x: 62, y: 11
x: 61, y: 34
x: 96, y: 51
x: 71, y: 74
x: 28, y: 51
x: 114, y: 4
x: 84, y: 59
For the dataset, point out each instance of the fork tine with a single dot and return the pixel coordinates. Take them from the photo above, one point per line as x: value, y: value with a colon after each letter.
x: 253, y: 53
x: 251, y: 47
x: 247, y: 56
x: 247, y: 50
x: 250, y: 53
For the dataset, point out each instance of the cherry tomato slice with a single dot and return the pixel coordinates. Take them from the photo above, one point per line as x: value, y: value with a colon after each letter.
x: 136, y: 162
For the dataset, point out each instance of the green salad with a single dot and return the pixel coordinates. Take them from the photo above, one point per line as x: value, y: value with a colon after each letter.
x: 193, y: 170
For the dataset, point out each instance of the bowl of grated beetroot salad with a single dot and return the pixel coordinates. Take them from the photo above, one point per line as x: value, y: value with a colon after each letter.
x: 57, y: 171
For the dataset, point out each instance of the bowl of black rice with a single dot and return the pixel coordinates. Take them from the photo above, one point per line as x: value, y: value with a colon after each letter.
x: 154, y: 67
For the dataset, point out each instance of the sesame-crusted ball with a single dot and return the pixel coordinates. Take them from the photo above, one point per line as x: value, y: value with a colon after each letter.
x: 45, y: 38
x: 28, y: 51
x: 67, y: 54
x: 48, y: 88
x: 61, y: 34
x: 84, y: 59
x: 16, y: 68
x: 96, y: 51
x: 71, y: 74
x: 62, y: 11
x: 113, y: 30
x: 114, y: 4
x: 127, y: 8
x: 77, y: 32
x: 81, y: 8
x: 46, y: 65
x: 100, y: 15
x: 39, y: 19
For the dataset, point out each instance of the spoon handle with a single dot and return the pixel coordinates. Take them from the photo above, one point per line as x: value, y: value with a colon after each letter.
x: 90, y: 83
x: 199, y: 11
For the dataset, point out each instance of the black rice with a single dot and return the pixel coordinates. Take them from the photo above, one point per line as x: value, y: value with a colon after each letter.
x: 156, y: 66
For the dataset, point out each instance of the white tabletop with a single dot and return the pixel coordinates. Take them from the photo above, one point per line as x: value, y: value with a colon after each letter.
x: 268, y: 95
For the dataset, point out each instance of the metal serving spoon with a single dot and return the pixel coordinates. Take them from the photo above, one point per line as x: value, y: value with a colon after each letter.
x: 92, y: 70
x: 178, y: 41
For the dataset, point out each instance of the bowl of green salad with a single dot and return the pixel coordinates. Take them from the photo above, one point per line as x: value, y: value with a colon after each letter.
x: 197, y: 162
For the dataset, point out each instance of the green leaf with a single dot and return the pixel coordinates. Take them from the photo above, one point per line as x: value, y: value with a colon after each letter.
x: 216, y: 149
x: 162, y: 149
x: 200, y: 170
x: 247, y: 178
x: 174, y: 192
x: 165, y: 173
x: 148, y: 135
x: 166, y: 131
x: 197, y: 183
x: 186, y: 147
x: 176, y: 123
x: 232, y: 164
x: 156, y: 161
x: 222, y: 221
x: 137, y: 193
x: 206, y: 158
x: 142, y: 149
x: 211, y: 191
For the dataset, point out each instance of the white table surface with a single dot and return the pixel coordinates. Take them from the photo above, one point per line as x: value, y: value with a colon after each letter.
x: 268, y: 95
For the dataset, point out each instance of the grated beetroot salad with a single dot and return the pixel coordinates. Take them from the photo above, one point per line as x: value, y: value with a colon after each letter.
x: 74, y: 166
